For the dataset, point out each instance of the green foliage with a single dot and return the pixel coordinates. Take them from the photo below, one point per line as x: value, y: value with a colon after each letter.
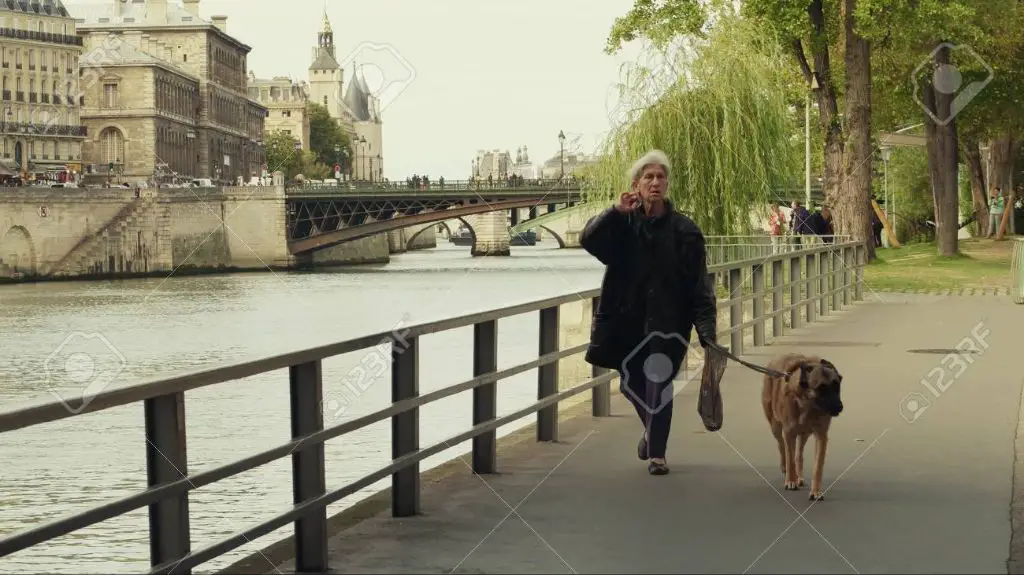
x: 660, y: 21
x: 282, y: 155
x: 325, y: 135
x: 726, y: 126
x: 905, y: 32
x: 910, y: 188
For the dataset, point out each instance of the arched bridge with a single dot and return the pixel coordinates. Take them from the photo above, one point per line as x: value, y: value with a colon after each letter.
x: 321, y: 216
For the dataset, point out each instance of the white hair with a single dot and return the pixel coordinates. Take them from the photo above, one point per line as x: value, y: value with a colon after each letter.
x: 652, y: 158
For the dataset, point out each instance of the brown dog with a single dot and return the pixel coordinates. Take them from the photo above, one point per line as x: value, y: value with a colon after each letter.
x: 799, y: 407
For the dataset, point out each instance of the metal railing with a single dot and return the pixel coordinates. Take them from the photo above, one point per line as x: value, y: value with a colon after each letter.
x: 821, y: 279
x: 437, y: 186
x: 722, y: 249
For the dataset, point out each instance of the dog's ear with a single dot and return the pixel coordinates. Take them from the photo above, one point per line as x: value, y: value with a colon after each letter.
x: 805, y: 368
x: 827, y: 363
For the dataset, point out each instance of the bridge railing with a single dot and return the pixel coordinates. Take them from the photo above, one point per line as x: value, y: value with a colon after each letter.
x: 820, y: 279
x: 437, y: 186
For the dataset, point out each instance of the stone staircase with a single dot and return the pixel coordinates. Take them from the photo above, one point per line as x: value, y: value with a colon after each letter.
x: 93, y: 249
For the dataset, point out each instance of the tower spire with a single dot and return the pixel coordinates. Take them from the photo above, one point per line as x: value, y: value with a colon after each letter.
x: 327, y: 22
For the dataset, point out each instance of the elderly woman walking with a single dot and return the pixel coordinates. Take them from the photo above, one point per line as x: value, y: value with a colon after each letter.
x: 655, y: 291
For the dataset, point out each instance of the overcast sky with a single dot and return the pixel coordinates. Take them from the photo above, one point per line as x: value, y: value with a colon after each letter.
x: 459, y: 75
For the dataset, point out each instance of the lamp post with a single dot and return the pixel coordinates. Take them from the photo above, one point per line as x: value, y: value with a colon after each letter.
x: 561, y: 154
x: 380, y: 168
x: 362, y: 144
x: 337, y: 160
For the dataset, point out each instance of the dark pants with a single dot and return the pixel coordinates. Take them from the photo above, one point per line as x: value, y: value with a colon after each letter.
x: 652, y: 397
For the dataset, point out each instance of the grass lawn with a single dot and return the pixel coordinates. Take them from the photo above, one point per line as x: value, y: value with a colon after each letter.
x: 981, y: 264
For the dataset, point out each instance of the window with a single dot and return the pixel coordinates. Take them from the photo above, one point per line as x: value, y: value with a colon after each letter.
x: 109, y: 95
x: 112, y: 145
x: 32, y: 58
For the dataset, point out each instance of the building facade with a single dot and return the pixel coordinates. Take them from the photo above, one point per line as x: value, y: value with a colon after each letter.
x: 40, y: 119
x: 165, y: 93
x: 286, y: 102
x: 492, y: 163
x: 355, y: 109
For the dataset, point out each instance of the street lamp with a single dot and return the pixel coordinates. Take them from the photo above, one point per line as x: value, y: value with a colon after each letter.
x: 337, y: 159
x: 561, y: 153
x: 362, y: 143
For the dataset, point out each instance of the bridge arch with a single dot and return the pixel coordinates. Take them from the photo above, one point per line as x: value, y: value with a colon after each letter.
x: 442, y: 224
x: 18, y: 251
x: 554, y: 234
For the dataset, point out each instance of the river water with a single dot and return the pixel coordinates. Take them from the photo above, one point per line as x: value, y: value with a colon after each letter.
x: 57, y: 337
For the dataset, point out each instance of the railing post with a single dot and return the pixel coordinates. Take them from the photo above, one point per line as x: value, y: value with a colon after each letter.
x: 547, y: 375
x: 847, y: 275
x: 736, y: 311
x: 823, y: 261
x: 837, y: 275
x: 485, y: 397
x: 166, y: 461
x: 858, y: 256
x: 812, y: 286
x: 795, y: 289
x: 777, y: 298
x: 405, y: 427
x: 601, y: 395
x: 308, y: 473
x: 823, y: 273
x: 757, y: 277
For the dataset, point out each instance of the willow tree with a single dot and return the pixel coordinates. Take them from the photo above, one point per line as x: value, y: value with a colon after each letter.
x: 719, y: 108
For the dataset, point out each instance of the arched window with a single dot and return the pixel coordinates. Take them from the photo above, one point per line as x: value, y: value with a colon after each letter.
x: 112, y: 145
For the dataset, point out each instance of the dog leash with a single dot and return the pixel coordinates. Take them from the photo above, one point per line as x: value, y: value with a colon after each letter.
x: 747, y: 364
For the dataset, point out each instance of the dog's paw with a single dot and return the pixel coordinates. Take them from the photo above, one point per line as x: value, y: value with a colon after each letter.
x: 816, y: 496
x: 790, y: 485
x: 800, y: 482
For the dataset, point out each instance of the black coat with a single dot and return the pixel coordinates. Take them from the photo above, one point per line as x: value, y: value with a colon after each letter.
x: 821, y: 227
x: 656, y: 279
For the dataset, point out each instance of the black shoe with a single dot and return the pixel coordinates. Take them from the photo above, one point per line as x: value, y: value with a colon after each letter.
x: 655, y: 468
x: 641, y: 449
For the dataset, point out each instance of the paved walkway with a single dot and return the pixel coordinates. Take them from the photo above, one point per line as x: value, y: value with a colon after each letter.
x: 932, y: 496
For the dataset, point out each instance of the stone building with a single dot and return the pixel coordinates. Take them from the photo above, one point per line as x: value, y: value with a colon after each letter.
x: 165, y: 94
x: 39, y: 50
x: 493, y: 163
x: 356, y: 109
x: 286, y: 103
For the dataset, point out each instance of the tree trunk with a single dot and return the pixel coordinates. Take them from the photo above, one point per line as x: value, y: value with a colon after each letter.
x: 853, y: 204
x: 979, y: 197
x: 825, y: 93
x: 1002, y: 152
x: 940, y: 127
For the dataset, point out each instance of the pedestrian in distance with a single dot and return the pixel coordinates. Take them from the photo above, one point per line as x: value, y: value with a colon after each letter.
x: 654, y: 293
x: 996, y: 206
